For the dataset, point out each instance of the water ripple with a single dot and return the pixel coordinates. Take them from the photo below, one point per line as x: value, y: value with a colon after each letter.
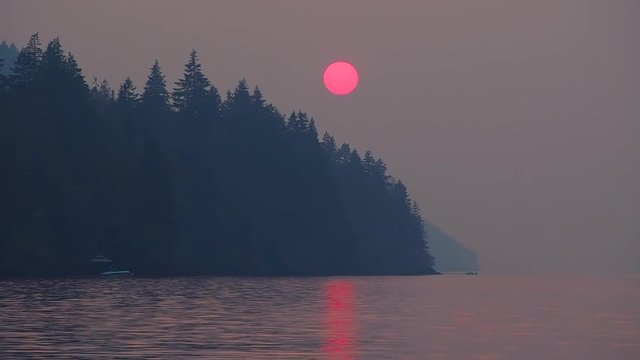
x: 445, y: 317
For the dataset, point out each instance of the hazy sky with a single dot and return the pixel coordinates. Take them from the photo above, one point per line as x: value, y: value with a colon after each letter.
x: 515, y: 124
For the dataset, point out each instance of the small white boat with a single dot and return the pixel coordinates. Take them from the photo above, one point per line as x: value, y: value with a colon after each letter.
x: 116, y: 273
x: 107, y: 267
x: 472, y: 273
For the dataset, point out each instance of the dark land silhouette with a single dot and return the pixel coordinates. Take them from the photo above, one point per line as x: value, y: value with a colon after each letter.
x: 183, y: 181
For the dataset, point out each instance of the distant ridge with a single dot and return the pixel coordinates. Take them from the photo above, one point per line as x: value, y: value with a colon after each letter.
x: 8, y: 54
x: 450, y: 255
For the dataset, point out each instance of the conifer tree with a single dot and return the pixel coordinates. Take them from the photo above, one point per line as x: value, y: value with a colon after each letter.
x: 343, y: 154
x: 329, y: 146
x: 155, y: 96
x: 380, y: 170
x: 53, y: 59
x: 213, y: 104
x: 355, y: 160
x: 400, y: 194
x: 191, y: 94
x: 369, y: 164
x: 239, y: 114
x: 375, y: 168
x: 257, y: 99
x: 270, y: 120
x: 102, y: 93
x: 299, y: 123
x: 312, y: 131
x: 127, y: 98
x: 60, y: 71
x: 74, y: 71
x: 27, y: 63
x: 239, y: 98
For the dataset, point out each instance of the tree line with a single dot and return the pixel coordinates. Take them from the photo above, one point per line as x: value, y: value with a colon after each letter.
x: 186, y: 182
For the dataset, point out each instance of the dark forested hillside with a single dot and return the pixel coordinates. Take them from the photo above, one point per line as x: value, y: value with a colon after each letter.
x: 177, y: 180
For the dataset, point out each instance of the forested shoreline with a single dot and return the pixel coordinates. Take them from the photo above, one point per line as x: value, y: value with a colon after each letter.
x: 183, y: 181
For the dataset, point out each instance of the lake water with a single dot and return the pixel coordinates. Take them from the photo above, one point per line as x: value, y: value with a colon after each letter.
x: 428, y: 317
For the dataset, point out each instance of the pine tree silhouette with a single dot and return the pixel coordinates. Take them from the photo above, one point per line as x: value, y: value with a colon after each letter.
x: 191, y: 95
x: 27, y: 63
x: 155, y: 96
x: 127, y: 98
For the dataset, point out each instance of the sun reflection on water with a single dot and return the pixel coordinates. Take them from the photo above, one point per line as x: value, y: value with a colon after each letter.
x: 340, y: 331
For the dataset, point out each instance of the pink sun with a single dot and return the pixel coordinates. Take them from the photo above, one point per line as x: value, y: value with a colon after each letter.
x: 341, y: 78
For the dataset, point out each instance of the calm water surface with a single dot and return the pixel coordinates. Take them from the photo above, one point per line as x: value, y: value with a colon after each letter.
x: 434, y: 317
